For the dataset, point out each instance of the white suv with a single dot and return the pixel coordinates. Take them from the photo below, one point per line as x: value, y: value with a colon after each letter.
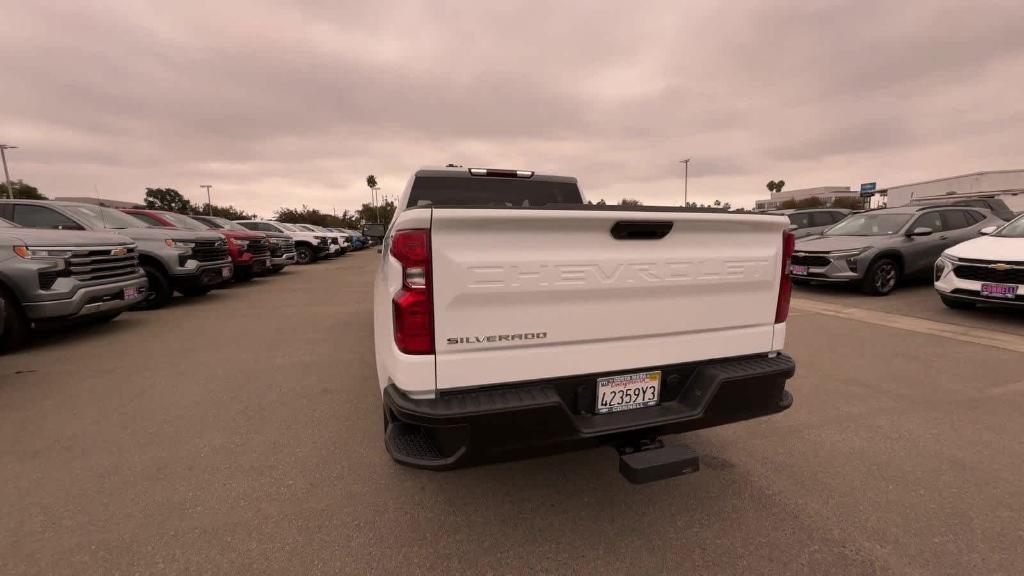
x: 986, y: 270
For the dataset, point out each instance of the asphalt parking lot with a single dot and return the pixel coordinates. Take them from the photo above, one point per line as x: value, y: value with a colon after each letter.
x: 241, y: 433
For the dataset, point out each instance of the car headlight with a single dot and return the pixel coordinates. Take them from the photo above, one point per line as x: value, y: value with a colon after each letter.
x: 950, y: 258
x: 28, y: 253
x: 179, y: 243
x: 46, y: 254
x: 848, y: 253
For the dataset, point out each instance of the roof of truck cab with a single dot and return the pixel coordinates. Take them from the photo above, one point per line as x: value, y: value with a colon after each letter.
x: 463, y: 172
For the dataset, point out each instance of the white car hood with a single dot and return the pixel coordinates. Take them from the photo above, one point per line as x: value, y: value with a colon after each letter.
x: 992, y: 248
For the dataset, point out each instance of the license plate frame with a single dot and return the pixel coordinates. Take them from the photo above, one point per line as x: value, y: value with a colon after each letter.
x: 131, y: 292
x: 996, y: 290
x: 623, y: 392
x: 225, y: 272
x: 798, y: 270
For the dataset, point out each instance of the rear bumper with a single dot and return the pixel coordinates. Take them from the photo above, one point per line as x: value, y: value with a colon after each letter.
x: 515, y: 421
x: 89, y: 300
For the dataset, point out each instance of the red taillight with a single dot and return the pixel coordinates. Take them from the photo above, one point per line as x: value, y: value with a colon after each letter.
x: 785, y: 284
x: 413, y: 305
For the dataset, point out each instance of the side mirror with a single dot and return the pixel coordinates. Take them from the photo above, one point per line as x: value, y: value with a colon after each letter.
x: 921, y: 231
x: 792, y: 227
x: 988, y: 230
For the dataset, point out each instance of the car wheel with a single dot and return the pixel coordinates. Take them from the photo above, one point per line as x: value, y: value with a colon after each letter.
x: 957, y: 304
x: 304, y: 255
x: 16, y: 329
x: 159, y: 292
x: 195, y: 291
x: 882, y: 276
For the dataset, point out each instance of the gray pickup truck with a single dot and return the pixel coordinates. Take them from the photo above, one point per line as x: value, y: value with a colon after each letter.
x: 189, y: 262
x: 53, y: 277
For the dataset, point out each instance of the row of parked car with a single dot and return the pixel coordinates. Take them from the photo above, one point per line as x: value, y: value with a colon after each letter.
x: 972, y: 254
x: 67, y: 261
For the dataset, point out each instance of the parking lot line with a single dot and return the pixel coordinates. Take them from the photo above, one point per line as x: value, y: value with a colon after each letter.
x: 992, y: 338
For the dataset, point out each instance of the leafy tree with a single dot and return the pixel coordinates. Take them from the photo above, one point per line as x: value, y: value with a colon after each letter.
x: 22, y: 190
x: 382, y: 213
x: 167, y: 199
x: 788, y: 204
x: 229, y: 212
x: 810, y: 202
x: 630, y: 202
x: 371, y: 181
x: 848, y: 202
x: 776, y: 186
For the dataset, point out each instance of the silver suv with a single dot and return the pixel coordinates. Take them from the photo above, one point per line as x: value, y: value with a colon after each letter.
x: 49, y: 277
x: 189, y: 262
x: 878, y: 248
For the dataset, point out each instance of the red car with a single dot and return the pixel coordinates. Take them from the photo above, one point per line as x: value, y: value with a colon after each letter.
x: 250, y: 251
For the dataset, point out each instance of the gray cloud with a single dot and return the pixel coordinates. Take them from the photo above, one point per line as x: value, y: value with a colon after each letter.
x: 290, y: 103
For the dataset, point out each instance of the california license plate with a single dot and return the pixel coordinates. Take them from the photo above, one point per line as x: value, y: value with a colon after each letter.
x: 628, y: 391
x: 999, y: 290
x: 798, y: 270
x: 225, y: 272
x: 131, y: 292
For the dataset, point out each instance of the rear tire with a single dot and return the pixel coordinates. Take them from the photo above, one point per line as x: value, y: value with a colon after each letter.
x: 957, y: 304
x: 159, y: 292
x: 16, y: 329
x: 195, y: 291
x: 304, y: 254
x: 881, y: 278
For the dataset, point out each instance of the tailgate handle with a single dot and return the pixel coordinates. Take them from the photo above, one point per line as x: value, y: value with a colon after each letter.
x: 634, y: 230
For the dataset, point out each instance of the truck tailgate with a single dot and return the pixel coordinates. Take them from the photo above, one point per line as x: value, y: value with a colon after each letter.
x: 525, y: 294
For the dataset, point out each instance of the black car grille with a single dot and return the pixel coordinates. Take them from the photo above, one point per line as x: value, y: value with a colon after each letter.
x: 258, y: 248
x: 93, y: 264
x: 279, y: 249
x: 810, y: 260
x: 334, y: 240
x: 324, y: 241
x: 209, y: 251
x: 986, y: 274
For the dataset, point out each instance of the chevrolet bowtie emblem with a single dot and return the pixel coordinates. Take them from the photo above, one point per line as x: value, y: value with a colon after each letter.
x: 119, y: 252
x: 1001, y: 267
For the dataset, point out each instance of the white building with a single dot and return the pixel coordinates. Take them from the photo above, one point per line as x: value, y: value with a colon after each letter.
x: 1005, y: 184
x: 826, y: 193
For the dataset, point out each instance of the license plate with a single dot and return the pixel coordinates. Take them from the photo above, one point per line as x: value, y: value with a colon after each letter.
x: 999, y: 290
x: 798, y: 270
x: 627, y: 392
x: 225, y: 272
x: 132, y: 292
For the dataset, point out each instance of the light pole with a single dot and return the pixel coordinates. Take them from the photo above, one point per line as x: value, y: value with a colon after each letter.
x: 376, y: 208
x: 686, y: 179
x: 209, y: 202
x: 7, y: 176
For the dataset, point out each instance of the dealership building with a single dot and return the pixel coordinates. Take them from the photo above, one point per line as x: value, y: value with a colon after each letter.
x: 826, y: 193
x: 1007, y: 185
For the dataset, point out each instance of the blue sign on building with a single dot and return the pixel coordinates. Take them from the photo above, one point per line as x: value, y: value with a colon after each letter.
x: 867, y: 189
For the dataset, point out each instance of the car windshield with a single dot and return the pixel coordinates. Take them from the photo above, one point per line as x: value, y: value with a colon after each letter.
x: 870, y: 225
x: 289, y: 227
x: 185, y: 222
x: 102, y: 217
x: 1015, y: 229
x: 802, y: 220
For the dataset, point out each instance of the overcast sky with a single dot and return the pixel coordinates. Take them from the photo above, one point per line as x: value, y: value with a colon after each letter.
x: 290, y: 103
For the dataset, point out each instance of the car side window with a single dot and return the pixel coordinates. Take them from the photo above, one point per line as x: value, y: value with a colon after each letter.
x: 147, y: 219
x: 955, y: 219
x: 930, y: 220
x: 264, y: 227
x: 821, y: 219
x: 802, y: 220
x: 974, y: 216
x: 837, y: 217
x: 32, y: 216
x: 248, y: 225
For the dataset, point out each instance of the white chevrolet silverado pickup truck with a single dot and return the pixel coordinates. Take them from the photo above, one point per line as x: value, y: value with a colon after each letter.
x: 512, y: 319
